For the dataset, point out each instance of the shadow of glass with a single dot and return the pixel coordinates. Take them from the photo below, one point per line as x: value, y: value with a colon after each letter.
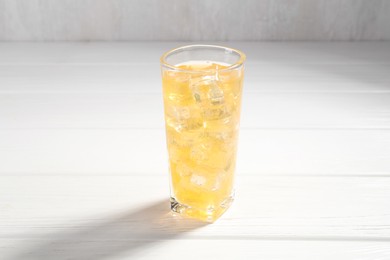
x: 128, y: 233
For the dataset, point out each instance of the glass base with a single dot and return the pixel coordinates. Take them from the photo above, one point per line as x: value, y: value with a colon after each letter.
x: 209, y: 215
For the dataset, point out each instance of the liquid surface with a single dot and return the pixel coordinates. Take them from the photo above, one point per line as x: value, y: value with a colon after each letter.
x: 202, y: 65
x: 202, y: 113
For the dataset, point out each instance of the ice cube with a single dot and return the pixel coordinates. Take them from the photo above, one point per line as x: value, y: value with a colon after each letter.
x: 217, y: 183
x: 210, y: 97
x: 175, y: 87
x: 215, y: 94
x: 183, y: 118
x: 183, y: 170
x: 198, y: 179
x: 223, y: 129
x: 211, y: 152
x: 180, y: 112
x: 199, y: 151
x: 201, y: 86
x: 215, y: 112
x: 222, y: 136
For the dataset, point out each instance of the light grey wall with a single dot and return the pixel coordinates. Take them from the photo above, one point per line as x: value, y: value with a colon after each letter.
x: 36, y: 20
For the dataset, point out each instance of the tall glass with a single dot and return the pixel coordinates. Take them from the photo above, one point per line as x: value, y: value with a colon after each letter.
x: 202, y: 88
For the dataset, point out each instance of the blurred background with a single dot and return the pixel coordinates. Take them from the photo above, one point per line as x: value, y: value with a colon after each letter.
x: 194, y: 20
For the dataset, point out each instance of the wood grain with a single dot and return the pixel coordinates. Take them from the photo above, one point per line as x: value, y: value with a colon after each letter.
x: 283, y: 207
x: 84, y: 217
x: 141, y: 151
x: 260, y: 110
x: 83, y: 164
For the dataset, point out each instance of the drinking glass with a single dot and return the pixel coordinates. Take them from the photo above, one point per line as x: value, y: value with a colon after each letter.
x: 202, y: 89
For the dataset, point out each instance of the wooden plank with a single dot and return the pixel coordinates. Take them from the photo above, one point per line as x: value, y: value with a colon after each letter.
x: 83, y: 52
x: 129, y: 110
x: 135, y: 208
x: 145, y: 78
x: 83, y: 171
x: 140, y: 78
x: 142, y: 151
x: 70, y: 247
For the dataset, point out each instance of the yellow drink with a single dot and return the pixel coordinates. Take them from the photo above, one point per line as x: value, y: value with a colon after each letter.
x: 202, y: 102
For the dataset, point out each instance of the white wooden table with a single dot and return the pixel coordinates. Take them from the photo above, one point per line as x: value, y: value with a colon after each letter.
x: 83, y: 164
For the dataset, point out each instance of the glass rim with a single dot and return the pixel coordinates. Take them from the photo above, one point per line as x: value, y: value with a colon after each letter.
x: 233, y: 66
